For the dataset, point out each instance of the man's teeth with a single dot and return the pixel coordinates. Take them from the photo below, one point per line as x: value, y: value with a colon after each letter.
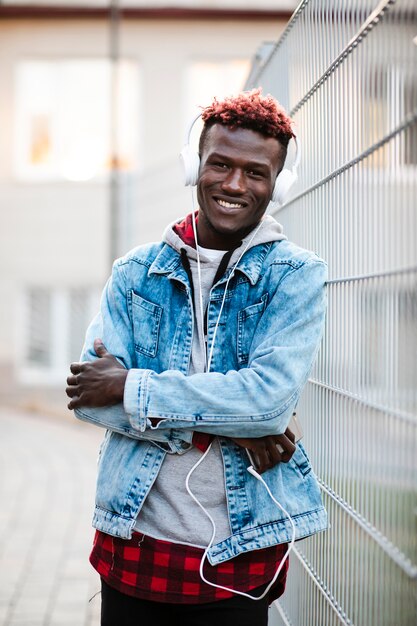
x: 229, y: 205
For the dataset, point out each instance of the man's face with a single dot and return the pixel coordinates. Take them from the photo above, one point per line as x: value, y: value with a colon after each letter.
x: 236, y: 179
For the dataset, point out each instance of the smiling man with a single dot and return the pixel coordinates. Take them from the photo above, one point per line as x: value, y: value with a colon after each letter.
x: 203, y: 345
x: 238, y: 170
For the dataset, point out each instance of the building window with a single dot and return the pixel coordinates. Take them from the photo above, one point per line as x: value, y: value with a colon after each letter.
x: 39, y: 325
x: 54, y: 325
x: 64, y: 118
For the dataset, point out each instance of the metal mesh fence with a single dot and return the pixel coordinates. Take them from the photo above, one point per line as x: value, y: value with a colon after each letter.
x: 346, y: 72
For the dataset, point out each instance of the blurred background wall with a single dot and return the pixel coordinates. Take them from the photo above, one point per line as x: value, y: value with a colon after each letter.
x: 95, y: 100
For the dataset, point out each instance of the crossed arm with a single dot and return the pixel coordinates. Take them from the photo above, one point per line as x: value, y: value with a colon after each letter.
x: 101, y: 383
x: 255, y: 401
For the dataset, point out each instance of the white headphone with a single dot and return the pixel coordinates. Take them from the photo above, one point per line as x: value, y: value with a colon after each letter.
x: 191, y: 166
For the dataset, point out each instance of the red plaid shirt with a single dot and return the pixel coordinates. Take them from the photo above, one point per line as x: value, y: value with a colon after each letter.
x: 162, y: 571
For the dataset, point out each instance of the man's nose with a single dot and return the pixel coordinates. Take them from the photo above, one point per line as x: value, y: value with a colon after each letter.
x: 234, y: 183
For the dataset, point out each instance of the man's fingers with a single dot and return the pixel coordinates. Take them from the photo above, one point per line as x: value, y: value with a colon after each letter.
x: 256, y: 460
x: 290, y: 435
x: 76, y: 368
x: 263, y: 461
x: 72, y: 380
x: 71, y: 391
x: 287, y: 448
x: 100, y: 348
x: 274, y: 452
x: 73, y: 404
x: 267, y: 455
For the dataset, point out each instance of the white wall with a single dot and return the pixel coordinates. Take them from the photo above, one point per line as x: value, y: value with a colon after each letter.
x: 57, y: 233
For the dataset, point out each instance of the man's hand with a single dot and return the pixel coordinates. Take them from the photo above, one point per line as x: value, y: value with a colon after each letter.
x: 96, y: 383
x: 270, y: 450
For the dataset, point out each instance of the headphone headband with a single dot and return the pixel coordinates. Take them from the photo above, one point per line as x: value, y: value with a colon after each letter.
x: 190, y: 128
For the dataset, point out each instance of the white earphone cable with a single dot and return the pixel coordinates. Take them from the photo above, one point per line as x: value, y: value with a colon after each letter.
x: 254, y: 473
x: 225, y: 292
x: 200, y: 291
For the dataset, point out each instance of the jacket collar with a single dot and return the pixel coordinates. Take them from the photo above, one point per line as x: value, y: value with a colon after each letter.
x: 168, y: 261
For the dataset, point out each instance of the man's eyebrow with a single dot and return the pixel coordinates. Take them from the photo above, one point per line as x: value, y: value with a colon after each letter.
x: 253, y: 164
x: 217, y: 155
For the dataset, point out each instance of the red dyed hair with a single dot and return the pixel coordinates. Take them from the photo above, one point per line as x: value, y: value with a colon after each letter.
x: 252, y: 110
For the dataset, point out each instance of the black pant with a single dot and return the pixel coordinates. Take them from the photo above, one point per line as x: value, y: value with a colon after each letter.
x: 118, y: 609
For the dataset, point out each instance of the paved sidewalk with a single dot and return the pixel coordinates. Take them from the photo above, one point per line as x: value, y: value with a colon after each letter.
x: 47, y: 482
x: 47, y: 475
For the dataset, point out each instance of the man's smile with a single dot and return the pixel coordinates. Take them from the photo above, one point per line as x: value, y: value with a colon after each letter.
x: 229, y: 205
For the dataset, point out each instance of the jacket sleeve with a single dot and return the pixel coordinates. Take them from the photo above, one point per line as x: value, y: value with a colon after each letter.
x: 254, y: 401
x: 112, y: 324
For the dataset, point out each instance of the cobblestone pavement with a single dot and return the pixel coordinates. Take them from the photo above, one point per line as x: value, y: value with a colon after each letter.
x: 47, y: 475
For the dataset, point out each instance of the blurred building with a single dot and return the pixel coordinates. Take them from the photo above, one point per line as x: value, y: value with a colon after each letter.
x: 95, y: 101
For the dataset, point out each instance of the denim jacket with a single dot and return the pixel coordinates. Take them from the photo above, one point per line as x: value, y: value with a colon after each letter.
x: 267, y: 338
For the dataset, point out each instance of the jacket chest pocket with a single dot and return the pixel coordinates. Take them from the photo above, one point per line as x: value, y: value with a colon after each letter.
x: 247, y: 322
x: 146, y: 318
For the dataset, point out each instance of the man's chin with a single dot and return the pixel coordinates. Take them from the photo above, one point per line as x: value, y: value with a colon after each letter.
x: 233, y: 230
x: 230, y: 238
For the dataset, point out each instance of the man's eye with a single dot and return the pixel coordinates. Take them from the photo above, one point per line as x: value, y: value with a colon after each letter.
x: 255, y: 173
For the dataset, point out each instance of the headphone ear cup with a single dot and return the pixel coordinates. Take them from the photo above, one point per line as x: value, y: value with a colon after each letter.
x: 283, y: 184
x: 191, y: 165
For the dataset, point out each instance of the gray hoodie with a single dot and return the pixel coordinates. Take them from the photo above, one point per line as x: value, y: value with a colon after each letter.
x: 169, y: 513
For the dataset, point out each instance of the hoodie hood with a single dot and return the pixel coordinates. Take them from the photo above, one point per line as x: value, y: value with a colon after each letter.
x: 180, y: 235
